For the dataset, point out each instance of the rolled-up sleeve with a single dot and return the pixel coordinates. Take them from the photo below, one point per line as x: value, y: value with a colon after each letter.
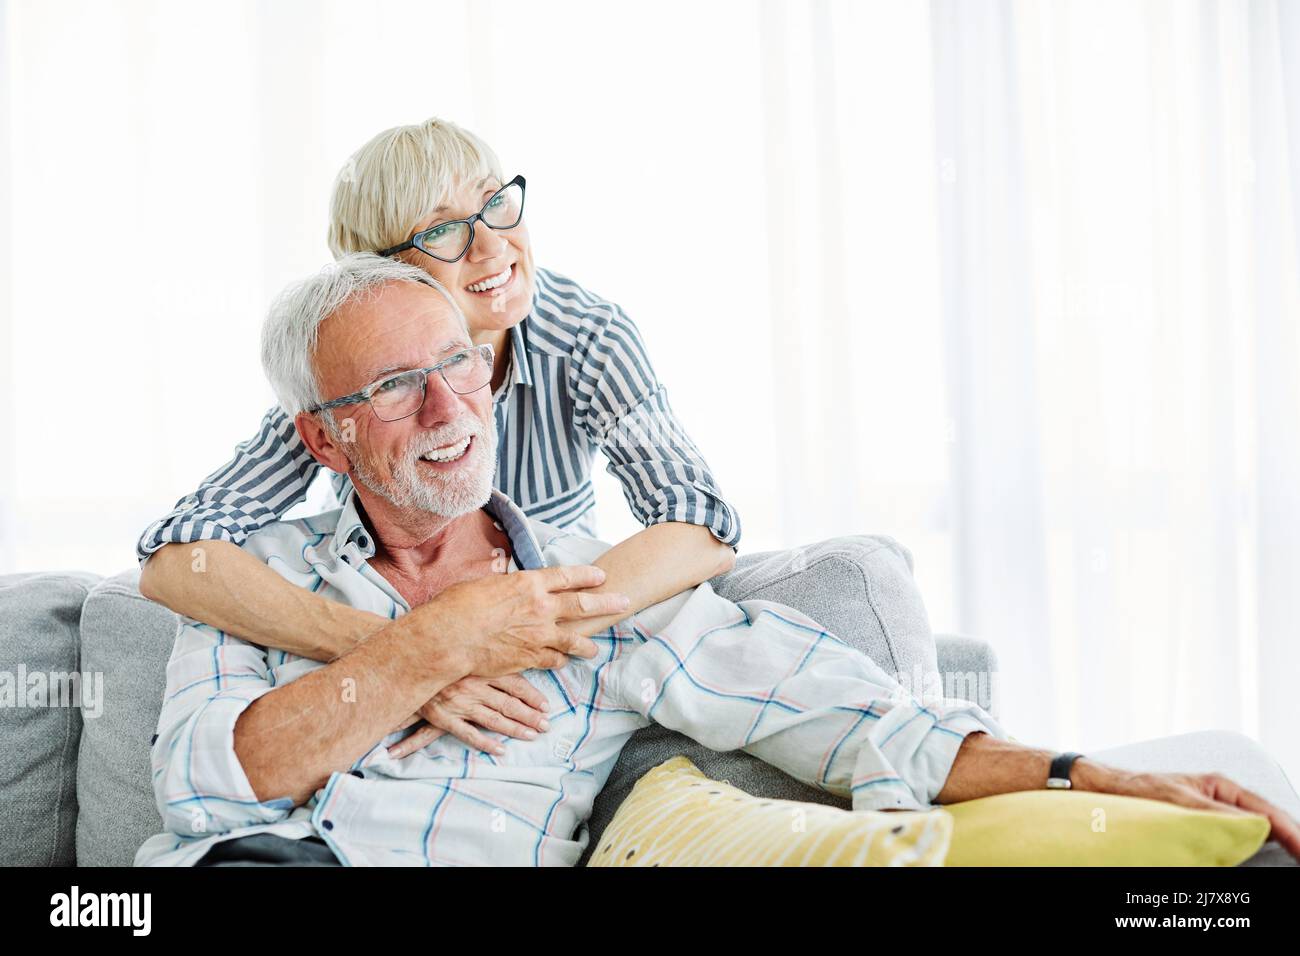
x: 760, y: 677
x: 625, y: 411
x: 269, y: 474
x: 199, y: 784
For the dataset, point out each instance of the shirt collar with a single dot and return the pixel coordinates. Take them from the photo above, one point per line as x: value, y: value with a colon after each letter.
x: 524, y: 546
x: 520, y: 373
x: 351, y: 529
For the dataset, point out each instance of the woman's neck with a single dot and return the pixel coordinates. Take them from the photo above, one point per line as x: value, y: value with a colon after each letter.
x: 499, y: 339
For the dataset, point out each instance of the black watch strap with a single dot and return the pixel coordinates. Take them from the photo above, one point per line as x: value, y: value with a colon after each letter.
x: 1058, y: 777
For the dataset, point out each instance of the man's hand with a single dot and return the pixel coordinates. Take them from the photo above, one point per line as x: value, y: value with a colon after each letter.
x: 1203, y: 791
x: 506, y: 623
x: 508, y: 705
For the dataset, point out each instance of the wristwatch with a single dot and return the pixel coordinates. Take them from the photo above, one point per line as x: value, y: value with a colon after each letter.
x: 1058, y: 777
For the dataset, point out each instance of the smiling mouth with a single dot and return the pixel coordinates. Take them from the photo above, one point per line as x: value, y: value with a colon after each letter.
x: 492, y: 283
x: 449, y: 453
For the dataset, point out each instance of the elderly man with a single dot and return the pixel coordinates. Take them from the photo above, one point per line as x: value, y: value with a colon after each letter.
x: 262, y: 756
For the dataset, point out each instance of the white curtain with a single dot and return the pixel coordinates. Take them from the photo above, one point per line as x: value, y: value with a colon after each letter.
x: 1120, y: 207
x: 1016, y: 283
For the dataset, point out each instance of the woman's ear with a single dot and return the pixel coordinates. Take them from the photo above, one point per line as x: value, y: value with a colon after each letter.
x: 321, y: 443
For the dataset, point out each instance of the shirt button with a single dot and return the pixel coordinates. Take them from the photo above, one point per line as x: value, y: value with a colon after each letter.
x: 363, y: 541
x: 327, y: 824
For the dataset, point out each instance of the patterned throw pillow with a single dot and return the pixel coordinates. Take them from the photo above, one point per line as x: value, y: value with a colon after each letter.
x: 676, y: 816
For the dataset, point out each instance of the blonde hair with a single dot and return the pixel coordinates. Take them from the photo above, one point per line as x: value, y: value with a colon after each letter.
x: 398, y: 179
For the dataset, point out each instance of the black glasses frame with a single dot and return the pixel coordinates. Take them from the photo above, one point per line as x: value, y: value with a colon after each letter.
x: 356, y: 398
x: 417, y: 240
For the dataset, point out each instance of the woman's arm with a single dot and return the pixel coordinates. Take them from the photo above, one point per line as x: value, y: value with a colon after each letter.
x: 193, y: 565
x: 691, y: 532
x: 269, y: 474
x: 618, y: 401
x: 658, y: 562
x: 231, y: 590
x: 237, y: 593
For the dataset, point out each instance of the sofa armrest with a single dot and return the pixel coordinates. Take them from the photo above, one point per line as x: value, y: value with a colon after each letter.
x: 968, y: 668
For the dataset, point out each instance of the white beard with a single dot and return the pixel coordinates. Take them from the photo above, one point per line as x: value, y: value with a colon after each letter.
x: 446, y: 494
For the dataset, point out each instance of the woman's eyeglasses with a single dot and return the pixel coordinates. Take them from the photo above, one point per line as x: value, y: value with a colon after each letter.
x: 449, y: 241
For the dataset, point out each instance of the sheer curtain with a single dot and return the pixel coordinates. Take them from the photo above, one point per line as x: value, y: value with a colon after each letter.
x: 1016, y: 283
x: 1119, y: 217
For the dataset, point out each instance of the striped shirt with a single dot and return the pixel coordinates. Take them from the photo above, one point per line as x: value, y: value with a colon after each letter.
x: 579, y: 381
x: 756, y: 676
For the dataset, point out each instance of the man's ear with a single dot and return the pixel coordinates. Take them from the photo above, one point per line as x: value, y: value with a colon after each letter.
x: 318, y: 441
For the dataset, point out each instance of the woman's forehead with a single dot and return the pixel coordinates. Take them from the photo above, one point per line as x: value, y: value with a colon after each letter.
x: 465, y: 194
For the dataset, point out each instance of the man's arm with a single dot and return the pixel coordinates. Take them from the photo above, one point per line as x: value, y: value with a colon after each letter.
x: 763, y: 678
x: 233, y: 750
x: 290, y: 741
x: 338, y: 712
x: 986, y: 766
x: 199, y: 785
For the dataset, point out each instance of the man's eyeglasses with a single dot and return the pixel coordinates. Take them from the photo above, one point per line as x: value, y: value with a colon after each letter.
x: 449, y: 241
x: 402, y: 395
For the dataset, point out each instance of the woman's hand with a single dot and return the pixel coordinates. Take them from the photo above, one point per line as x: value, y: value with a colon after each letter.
x: 508, y: 705
x: 507, y: 623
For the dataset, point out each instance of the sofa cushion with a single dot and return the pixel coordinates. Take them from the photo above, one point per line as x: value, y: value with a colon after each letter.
x: 38, y: 762
x: 858, y: 587
x: 129, y: 639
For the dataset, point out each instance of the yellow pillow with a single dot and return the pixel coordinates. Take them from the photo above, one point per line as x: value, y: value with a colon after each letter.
x: 1081, y: 828
x: 676, y: 816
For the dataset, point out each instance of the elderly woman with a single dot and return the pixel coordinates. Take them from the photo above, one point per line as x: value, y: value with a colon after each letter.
x: 570, y: 377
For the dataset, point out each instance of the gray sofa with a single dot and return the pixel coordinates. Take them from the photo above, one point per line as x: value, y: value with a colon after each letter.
x: 75, y: 774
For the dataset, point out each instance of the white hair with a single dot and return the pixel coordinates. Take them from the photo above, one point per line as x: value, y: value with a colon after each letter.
x: 292, y: 326
x: 398, y: 179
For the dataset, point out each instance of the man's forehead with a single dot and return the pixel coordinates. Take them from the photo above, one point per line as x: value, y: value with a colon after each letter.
x: 395, y: 362
x: 404, y: 325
